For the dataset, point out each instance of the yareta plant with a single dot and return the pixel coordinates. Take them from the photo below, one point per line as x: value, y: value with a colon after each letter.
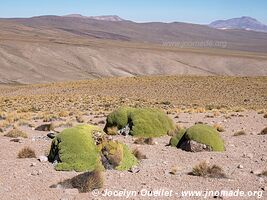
x: 200, y: 133
x: 82, y: 148
x: 143, y: 122
x: 75, y: 149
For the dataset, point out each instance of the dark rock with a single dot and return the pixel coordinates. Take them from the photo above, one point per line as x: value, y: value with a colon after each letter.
x: 51, y: 135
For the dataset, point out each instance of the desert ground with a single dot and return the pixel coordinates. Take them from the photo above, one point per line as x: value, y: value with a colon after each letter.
x: 232, y: 104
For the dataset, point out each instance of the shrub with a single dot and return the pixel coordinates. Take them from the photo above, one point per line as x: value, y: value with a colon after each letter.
x: 26, y: 152
x: 200, y: 133
x: 264, y: 173
x: 15, y: 133
x: 238, y: 133
x: 143, y: 122
x: 75, y: 149
x: 143, y: 141
x: 46, y: 127
x: 204, y: 170
x: 88, y: 181
x: 139, y: 155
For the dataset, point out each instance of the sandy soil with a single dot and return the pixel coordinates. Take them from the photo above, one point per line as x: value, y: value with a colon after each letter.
x: 31, y: 179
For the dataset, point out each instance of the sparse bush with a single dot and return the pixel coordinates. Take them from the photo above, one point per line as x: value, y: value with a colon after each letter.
x: 265, y: 115
x: 80, y: 119
x: 15, y: 133
x: 88, y: 181
x: 143, y: 122
x: 112, y: 130
x: 46, y: 127
x: 143, y: 141
x: 264, y: 173
x: 26, y: 152
x: 264, y: 131
x: 239, y: 133
x: 139, y: 155
x: 204, y: 170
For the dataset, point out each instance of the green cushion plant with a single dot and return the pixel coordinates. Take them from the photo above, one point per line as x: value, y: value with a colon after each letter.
x: 76, y: 149
x: 200, y: 133
x: 143, y: 122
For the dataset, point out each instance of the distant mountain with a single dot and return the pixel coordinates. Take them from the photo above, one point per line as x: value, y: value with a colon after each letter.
x: 245, y: 23
x: 57, y: 48
x: 111, y: 18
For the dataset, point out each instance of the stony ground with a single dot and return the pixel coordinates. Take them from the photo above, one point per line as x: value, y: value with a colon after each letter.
x: 31, y: 179
x: 233, y: 103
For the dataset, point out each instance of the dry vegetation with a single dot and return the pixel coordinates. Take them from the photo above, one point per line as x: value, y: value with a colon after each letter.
x: 20, y: 104
x: 175, y: 94
x: 26, y: 152
x: 204, y: 170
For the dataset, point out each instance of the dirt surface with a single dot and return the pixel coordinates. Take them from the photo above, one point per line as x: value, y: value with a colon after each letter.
x: 20, y: 180
x: 233, y: 103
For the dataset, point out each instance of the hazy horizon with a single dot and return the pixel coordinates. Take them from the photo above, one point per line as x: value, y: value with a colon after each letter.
x: 191, y: 11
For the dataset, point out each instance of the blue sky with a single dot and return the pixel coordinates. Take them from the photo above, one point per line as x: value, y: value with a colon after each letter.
x: 194, y: 11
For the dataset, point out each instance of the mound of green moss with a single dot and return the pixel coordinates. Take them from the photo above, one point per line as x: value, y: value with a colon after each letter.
x: 200, y: 133
x: 75, y: 149
x: 143, y: 122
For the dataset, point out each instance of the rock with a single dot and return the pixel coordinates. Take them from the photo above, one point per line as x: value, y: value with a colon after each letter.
x: 72, y: 191
x: 240, y: 167
x: 36, y: 173
x: 193, y: 146
x: 256, y: 172
x: 249, y: 155
x: 1, y: 130
x: 125, y: 131
x: 19, y: 140
x: 134, y: 169
x: 51, y: 135
x: 264, y: 188
x: 42, y: 158
x: 33, y: 164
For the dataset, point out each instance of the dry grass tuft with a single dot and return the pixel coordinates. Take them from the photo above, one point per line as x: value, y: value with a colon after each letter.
x: 15, y: 133
x: 26, y: 152
x: 264, y: 173
x: 239, y: 133
x: 143, y: 141
x: 204, y: 170
x: 139, y: 155
x: 88, y: 181
x: 112, y: 130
